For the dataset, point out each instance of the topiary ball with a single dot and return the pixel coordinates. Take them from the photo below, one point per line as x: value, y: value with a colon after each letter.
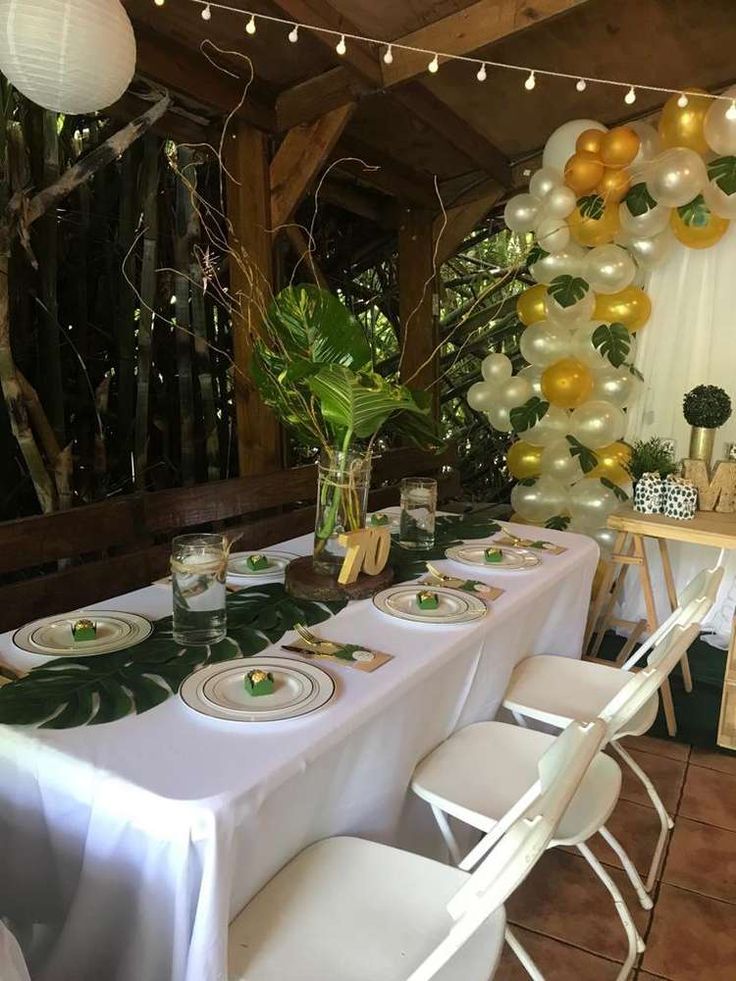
x: 706, y: 406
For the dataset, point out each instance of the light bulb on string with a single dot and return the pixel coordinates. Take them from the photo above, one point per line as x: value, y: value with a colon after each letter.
x: 482, y: 73
x: 207, y: 13
x: 341, y: 47
x: 630, y: 97
x: 159, y: 3
x: 731, y: 111
x: 294, y: 34
x: 531, y: 81
x: 581, y: 85
x: 250, y: 27
x: 389, y: 55
x: 434, y: 65
x: 682, y: 101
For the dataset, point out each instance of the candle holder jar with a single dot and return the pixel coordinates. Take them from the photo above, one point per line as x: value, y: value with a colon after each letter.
x: 198, y: 573
x: 418, y: 512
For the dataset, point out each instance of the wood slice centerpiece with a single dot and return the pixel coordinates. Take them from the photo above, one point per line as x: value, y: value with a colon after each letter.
x: 303, y: 581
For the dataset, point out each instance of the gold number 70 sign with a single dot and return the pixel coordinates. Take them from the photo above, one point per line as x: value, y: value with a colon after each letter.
x: 367, y: 551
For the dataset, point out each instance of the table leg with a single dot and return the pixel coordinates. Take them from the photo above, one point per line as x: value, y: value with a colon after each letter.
x: 604, y: 589
x: 669, y: 580
x: 727, y: 717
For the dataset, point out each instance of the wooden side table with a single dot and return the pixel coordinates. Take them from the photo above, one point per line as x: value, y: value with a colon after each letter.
x: 707, y: 528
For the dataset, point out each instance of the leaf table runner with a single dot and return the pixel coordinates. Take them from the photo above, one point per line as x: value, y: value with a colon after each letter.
x: 102, y: 688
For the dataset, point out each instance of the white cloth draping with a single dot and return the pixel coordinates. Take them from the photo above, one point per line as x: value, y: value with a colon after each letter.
x: 689, y: 340
x: 12, y: 965
x: 131, y: 845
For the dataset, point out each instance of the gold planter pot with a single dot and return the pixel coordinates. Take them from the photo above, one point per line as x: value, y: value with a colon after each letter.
x: 701, y: 443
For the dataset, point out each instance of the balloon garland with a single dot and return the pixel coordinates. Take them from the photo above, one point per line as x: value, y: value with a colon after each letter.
x: 606, y: 207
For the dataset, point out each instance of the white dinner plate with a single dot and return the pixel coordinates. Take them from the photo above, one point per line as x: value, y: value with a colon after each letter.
x: 237, y: 568
x: 512, y: 559
x: 53, y: 635
x: 218, y: 690
x: 454, y: 606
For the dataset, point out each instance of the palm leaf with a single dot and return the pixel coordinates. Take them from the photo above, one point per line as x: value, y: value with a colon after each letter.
x: 613, y: 341
x: 567, y: 290
x: 639, y: 200
x: 722, y: 171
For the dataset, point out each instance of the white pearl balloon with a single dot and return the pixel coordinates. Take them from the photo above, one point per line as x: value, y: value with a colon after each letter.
x: 498, y: 416
x: 718, y: 201
x: 565, y: 263
x: 521, y: 212
x: 533, y: 374
x: 676, y: 177
x: 606, y: 538
x: 553, y: 234
x: 543, y: 181
x: 481, y: 396
x: 650, y: 142
x: 648, y: 252
x: 539, y: 501
x: 573, y: 315
x: 557, y: 461
x: 552, y: 427
x: 561, y: 144
x: 560, y: 202
x: 615, y: 385
x: 609, y: 269
x: 591, y: 502
x: 543, y: 343
x: 648, y: 225
x: 597, y: 423
x: 583, y: 349
x: 496, y: 368
x: 514, y: 391
x: 718, y: 129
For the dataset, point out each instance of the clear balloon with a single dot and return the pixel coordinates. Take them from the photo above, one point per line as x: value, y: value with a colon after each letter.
x: 523, y: 460
x: 650, y: 142
x: 553, y: 426
x: 648, y: 252
x: 539, y: 501
x: 573, y: 315
x: 552, y: 234
x: 591, y: 502
x: 565, y: 263
x: 609, y: 269
x: 720, y: 203
x: 606, y: 538
x: 561, y: 144
x: 676, y: 177
x: 533, y: 374
x: 514, y: 391
x: 557, y: 461
x: 543, y: 343
x: 521, y: 213
x: 543, y: 181
x: 481, y: 396
x: 648, y: 225
x: 616, y: 385
x: 559, y: 202
x: 498, y: 416
x: 597, y: 423
x: 718, y: 129
x: 582, y: 347
x: 496, y: 368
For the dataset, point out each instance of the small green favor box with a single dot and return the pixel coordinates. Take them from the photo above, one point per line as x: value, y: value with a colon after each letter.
x: 84, y: 630
x: 379, y: 519
x: 257, y: 562
x: 259, y: 682
x: 493, y: 555
x: 428, y: 600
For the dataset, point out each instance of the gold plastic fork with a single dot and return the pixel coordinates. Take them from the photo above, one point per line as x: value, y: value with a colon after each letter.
x: 439, y: 575
x: 313, y: 640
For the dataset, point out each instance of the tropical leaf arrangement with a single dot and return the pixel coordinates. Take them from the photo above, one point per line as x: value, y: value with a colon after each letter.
x: 102, y: 688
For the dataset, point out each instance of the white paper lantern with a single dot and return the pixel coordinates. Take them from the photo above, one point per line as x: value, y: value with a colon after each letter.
x: 69, y: 56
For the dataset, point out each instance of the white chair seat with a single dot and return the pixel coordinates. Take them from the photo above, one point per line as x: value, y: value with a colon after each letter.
x: 558, y: 689
x: 480, y: 772
x: 352, y: 910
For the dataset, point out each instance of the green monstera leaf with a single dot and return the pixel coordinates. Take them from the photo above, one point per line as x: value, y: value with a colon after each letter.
x: 559, y: 522
x: 613, y: 341
x: 639, y: 200
x: 525, y: 416
x: 591, y: 206
x: 696, y: 213
x: 618, y: 491
x: 722, y: 171
x: 586, y: 458
x: 567, y: 290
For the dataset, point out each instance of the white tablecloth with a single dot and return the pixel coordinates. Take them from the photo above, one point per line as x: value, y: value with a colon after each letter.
x: 126, y: 848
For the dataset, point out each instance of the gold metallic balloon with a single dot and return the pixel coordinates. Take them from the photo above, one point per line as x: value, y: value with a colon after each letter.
x: 619, y: 147
x: 590, y: 141
x: 614, y: 184
x: 590, y: 231
x: 631, y: 307
x: 701, y: 235
x: 582, y: 172
x: 567, y: 383
x: 683, y: 125
x: 523, y: 460
x: 531, y: 305
x: 611, y: 460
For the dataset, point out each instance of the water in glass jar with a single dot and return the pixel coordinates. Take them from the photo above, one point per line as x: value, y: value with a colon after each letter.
x: 418, y: 511
x: 198, y: 571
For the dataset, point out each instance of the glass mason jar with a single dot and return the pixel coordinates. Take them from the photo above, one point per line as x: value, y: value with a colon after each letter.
x: 418, y: 512
x: 342, y: 502
x: 198, y: 573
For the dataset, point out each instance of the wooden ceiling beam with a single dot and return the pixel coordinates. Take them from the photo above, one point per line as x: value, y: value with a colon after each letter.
x: 373, y: 166
x: 348, y: 196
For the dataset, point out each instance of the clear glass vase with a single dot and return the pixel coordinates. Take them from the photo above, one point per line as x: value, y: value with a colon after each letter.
x: 342, y: 502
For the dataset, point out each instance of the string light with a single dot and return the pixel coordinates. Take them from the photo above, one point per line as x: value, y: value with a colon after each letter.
x: 581, y: 84
x: 159, y: 3
x: 250, y: 27
x: 482, y: 73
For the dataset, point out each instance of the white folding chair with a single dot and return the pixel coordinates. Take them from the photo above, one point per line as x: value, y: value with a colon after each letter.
x: 346, y: 909
x: 12, y: 965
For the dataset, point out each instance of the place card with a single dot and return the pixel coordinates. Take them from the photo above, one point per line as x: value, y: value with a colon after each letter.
x: 362, y: 658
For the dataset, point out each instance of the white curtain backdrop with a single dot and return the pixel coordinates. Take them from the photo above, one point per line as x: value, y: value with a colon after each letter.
x: 689, y: 340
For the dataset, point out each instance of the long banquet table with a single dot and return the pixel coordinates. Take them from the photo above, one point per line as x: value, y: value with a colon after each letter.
x: 126, y: 848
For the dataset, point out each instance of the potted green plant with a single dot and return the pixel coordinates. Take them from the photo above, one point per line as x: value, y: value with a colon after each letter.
x: 652, y: 455
x: 313, y: 365
x: 706, y: 408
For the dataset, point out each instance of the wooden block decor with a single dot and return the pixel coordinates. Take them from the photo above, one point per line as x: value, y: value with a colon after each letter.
x: 367, y: 551
x: 716, y: 492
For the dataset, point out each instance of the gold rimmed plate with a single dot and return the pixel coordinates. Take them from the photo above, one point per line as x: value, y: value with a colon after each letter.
x: 455, y: 607
x: 512, y: 559
x: 52, y: 636
x: 237, y: 566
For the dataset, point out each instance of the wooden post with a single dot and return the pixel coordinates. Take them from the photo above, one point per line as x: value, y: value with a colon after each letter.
x: 251, y: 287
x: 419, y: 365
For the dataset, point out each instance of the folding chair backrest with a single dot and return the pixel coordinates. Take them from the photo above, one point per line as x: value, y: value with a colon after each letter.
x: 645, y: 683
x: 561, y: 770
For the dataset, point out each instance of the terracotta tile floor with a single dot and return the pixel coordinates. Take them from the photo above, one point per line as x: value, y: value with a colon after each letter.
x: 566, y: 920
